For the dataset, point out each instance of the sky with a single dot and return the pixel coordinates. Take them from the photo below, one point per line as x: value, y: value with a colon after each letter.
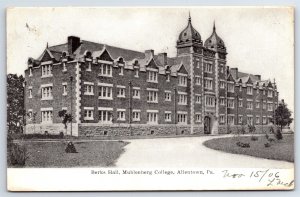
x: 258, y: 40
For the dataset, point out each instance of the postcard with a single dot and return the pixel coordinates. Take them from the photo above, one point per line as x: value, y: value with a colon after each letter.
x: 150, y: 98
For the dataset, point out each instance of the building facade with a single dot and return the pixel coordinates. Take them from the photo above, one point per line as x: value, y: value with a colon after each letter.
x: 112, y: 91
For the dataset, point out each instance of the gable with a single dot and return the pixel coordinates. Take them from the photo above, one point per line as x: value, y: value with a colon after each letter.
x: 182, y: 69
x: 152, y: 64
x: 249, y: 80
x: 105, y: 56
x: 46, y: 56
x: 230, y: 78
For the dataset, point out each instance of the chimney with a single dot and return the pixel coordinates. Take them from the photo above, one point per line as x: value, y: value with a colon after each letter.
x: 258, y: 77
x: 162, y: 58
x: 149, y: 53
x: 73, y: 44
x: 234, y: 72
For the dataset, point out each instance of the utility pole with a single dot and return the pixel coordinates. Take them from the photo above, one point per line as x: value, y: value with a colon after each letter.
x: 71, y: 81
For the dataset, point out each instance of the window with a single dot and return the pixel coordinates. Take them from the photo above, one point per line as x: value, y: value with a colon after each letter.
x: 264, y: 92
x: 88, y: 88
x: 222, y: 119
x: 47, y: 93
x: 88, y: 113
x: 240, y: 103
x: 257, y: 91
x: 167, y: 96
x: 136, y: 73
x: 168, y: 77
x: 198, y: 99
x: 230, y: 120
x: 182, y: 118
x: 121, y: 70
x: 230, y: 87
x: 105, y: 116
x: 264, y: 120
x: 30, y: 92
x: 270, y: 107
x: 29, y: 114
x: 275, y: 93
x: 198, y: 118
x: 210, y: 101
x: 208, y: 84
x: 249, y: 90
x: 250, y: 120
x: 264, y: 106
x: 198, y: 80
x: 182, y: 98
x: 241, y: 88
x: 152, y: 96
x: 222, y: 101
x: 121, y: 91
x: 121, y: 114
x: 221, y: 69
x: 249, y: 105
x: 105, y: 70
x: 30, y: 72
x: 65, y: 92
x: 89, y: 66
x: 222, y: 84
x: 257, y: 120
x: 64, y: 67
x: 46, y: 70
x: 136, y: 115
x: 240, y: 119
x: 182, y: 80
x: 168, y: 116
x: 105, y: 91
x: 198, y: 63
x: 208, y: 67
x: 152, y: 76
x: 152, y: 117
x: 257, y: 104
x: 136, y: 93
x: 47, y: 116
x: 270, y: 93
x: 230, y: 103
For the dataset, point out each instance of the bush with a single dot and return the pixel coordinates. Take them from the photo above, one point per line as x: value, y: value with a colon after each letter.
x: 267, y: 136
x: 251, y: 128
x: 278, y: 134
x: 271, y: 139
x: 243, y: 145
x: 17, y: 154
x: 267, y: 145
x: 70, y: 148
x: 254, y: 138
x: 271, y: 130
x: 61, y: 135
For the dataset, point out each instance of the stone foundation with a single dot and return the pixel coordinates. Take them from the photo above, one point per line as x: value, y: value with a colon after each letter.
x: 51, y: 129
x: 95, y: 130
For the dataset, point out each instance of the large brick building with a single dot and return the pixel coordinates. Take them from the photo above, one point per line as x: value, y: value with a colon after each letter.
x: 115, y: 91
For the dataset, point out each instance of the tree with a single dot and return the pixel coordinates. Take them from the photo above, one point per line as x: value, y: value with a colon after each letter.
x: 282, y: 115
x: 66, y: 118
x: 15, y: 103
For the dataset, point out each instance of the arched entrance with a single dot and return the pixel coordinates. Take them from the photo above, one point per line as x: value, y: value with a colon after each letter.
x: 207, y: 125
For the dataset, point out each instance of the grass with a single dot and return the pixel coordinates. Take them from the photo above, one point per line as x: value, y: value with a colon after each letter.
x: 90, y: 154
x: 279, y: 150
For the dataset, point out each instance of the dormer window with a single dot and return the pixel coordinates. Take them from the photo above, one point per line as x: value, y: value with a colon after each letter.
x: 249, y: 90
x: 46, y: 70
x: 182, y: 80
x: 105, y: 70
x: 152, y: 76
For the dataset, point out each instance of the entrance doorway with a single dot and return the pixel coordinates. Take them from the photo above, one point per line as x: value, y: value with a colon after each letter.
x: 207, y: 125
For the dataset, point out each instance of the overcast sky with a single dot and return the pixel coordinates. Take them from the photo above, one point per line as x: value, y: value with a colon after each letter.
x: 258, y: 40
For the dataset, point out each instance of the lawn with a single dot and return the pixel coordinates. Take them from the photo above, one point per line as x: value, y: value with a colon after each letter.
x: 90, y: 154
x: 279, y: 150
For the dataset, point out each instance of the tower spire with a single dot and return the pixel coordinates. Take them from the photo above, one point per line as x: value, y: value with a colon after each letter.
x: 214, y: 28
x: 47, y: 46
x: 190, y: 19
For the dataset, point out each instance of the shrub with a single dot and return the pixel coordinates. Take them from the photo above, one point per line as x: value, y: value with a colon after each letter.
x: 61, y: 135
x: 267, y: 145
x: 17, y: 154
x: 271, y: 130
x: 267, y: 136
x: 278, y: 134
x: 70, y: 148
x: 243, y: 145
x: 254, y: 138
x: 251, y: 128
x: 271, y: 139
